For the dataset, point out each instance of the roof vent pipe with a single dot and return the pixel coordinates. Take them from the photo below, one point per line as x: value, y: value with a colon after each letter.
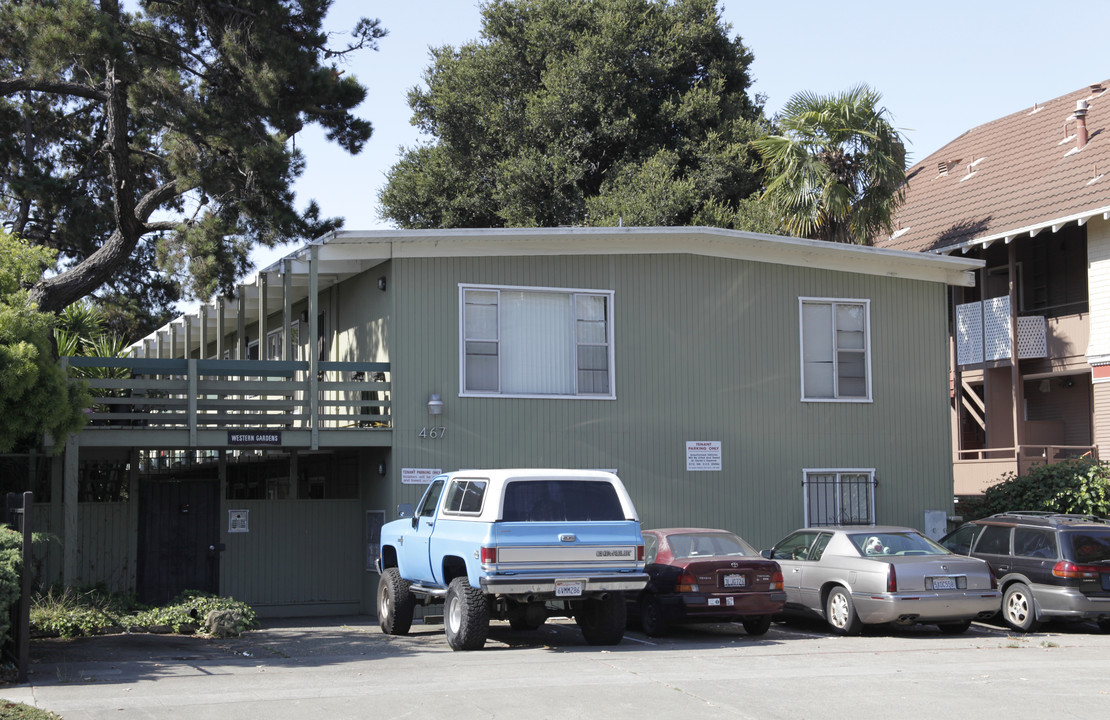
x: 1081, y: 124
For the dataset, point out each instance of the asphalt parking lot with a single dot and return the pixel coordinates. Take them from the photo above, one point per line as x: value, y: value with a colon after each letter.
x: 345, y: 668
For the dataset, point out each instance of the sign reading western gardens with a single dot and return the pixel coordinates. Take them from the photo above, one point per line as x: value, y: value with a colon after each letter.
x: 254, y: 437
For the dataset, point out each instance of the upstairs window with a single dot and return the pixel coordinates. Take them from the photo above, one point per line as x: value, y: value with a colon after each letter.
x: 536, y: 342
x: 836, y: 350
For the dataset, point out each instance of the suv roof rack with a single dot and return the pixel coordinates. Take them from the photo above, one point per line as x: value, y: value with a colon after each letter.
x: 1051, y: 516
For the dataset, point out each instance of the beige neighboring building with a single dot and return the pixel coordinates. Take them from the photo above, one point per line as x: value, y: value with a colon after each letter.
x: 1028, y: 193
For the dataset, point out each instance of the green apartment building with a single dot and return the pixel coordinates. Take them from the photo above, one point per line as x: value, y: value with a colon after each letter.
x: 751, y: 382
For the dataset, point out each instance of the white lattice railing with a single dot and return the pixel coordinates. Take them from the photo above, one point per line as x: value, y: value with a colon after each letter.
x: 983, y: 333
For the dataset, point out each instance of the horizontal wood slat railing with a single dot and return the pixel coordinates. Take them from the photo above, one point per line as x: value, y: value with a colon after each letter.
x: 218, y: 394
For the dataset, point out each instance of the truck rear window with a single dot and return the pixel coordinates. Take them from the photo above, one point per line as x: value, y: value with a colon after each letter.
x: 561, y: 500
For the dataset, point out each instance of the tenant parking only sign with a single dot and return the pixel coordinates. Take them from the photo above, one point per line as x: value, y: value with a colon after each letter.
x: 703, y: 455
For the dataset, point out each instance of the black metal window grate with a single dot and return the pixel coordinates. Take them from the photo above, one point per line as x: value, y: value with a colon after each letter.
x: 840, y: 498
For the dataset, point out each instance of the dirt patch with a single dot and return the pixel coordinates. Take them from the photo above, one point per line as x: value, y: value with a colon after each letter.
x: 124, y: 647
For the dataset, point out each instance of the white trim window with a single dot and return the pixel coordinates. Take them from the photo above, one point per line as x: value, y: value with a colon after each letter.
x: 839, y: 497
x: 274, y: 340
x: 535, y: 342
x: 836, y: 349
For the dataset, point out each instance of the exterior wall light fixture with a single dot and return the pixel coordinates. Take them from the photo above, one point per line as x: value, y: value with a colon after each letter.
x: 435, y: 404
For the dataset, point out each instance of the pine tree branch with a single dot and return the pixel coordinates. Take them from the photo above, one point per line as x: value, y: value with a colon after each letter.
x: 10, y: 87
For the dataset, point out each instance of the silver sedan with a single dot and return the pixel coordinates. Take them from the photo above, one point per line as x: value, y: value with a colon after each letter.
x: 852, y: 576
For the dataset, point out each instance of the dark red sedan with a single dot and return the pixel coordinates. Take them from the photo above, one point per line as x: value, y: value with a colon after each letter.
x: 703, y: 575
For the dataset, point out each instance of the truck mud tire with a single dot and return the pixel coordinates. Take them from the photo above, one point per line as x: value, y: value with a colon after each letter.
x: 465, y: 616
x: 603, y: 619
x: 395, y: 603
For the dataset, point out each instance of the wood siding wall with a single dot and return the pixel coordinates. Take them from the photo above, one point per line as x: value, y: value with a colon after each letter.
x: 1098, y: 347
x: 1098, y: 287
x: 1058, y: 411
x: 1101, y: 392
x: 705, y: 349
x: 300, y: 557
x: 105, y: 546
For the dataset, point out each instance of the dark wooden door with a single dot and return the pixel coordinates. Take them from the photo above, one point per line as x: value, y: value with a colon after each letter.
x: 179, y: 539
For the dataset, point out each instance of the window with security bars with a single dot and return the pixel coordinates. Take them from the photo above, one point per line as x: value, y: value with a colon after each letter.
x: 536, y: 342
x: 839, y: 497
x: 836, y: 362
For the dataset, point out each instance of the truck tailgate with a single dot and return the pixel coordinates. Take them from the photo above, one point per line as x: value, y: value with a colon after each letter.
x: 543, y: 547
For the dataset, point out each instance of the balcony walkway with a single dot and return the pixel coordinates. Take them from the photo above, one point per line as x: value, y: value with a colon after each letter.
x: 164, y: 403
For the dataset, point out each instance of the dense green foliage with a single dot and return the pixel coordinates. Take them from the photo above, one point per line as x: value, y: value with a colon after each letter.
x: 11, y: 564
x: 35, y: 396
x: 72, y: 613
x: 584, y: 112
x: 11, y: 561
x: 1076, y: 486
x: 82, y: 330
x: 836, y: 168
x: 145, y: 136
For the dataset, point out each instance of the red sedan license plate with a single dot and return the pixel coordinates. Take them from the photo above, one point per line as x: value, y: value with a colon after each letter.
x: 735, y: 580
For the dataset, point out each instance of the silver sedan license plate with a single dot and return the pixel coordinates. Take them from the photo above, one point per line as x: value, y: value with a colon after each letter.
x: 735, y: 580
x: 568, y: 588
x: 944, y: 583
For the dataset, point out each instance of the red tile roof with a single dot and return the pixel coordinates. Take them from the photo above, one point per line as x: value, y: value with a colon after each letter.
x: 1009, y: 176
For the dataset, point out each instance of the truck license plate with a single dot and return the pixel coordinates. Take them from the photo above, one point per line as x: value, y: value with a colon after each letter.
x: 735, y: 581
x: 568, y: 588
x: 944, y: 583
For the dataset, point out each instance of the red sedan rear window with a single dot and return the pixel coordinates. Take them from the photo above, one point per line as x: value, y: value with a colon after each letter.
x: 708, y: 544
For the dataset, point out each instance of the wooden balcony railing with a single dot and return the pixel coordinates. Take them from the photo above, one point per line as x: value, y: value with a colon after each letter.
x: 135, y: 393
x: 976, y: 470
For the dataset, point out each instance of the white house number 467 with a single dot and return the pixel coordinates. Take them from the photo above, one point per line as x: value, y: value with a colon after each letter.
x: 432, y: 433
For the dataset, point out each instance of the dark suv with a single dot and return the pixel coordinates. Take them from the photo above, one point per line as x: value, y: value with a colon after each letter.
x: 1049, y: 566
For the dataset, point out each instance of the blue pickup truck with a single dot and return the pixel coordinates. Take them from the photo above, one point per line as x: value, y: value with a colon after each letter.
x: 516, y: 545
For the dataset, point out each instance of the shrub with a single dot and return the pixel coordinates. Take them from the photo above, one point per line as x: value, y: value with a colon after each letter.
x: 14, y: 711
x: 1076, y: 486
x: 73, y: 612
x: 11, y: 565
x: 191, y: 608
x: 11, y: 560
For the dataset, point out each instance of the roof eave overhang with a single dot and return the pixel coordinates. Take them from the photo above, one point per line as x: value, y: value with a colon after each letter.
x: 1008, y: 236
x: 343, y: 254
x: 713, y: 242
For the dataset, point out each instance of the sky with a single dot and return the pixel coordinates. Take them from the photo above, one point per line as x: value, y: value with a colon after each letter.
x: 942, y: 67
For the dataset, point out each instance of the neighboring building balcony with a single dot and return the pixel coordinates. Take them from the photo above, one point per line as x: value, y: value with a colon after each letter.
x: 983, y: 333
x: 976, y: 470
x: 219, y: 403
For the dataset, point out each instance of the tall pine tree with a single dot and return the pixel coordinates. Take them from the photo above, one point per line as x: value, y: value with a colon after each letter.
x: 151, y: 149
x: 571, y: 112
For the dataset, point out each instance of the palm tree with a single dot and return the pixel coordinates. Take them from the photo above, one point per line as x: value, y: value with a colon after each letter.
x: 836, y: 171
